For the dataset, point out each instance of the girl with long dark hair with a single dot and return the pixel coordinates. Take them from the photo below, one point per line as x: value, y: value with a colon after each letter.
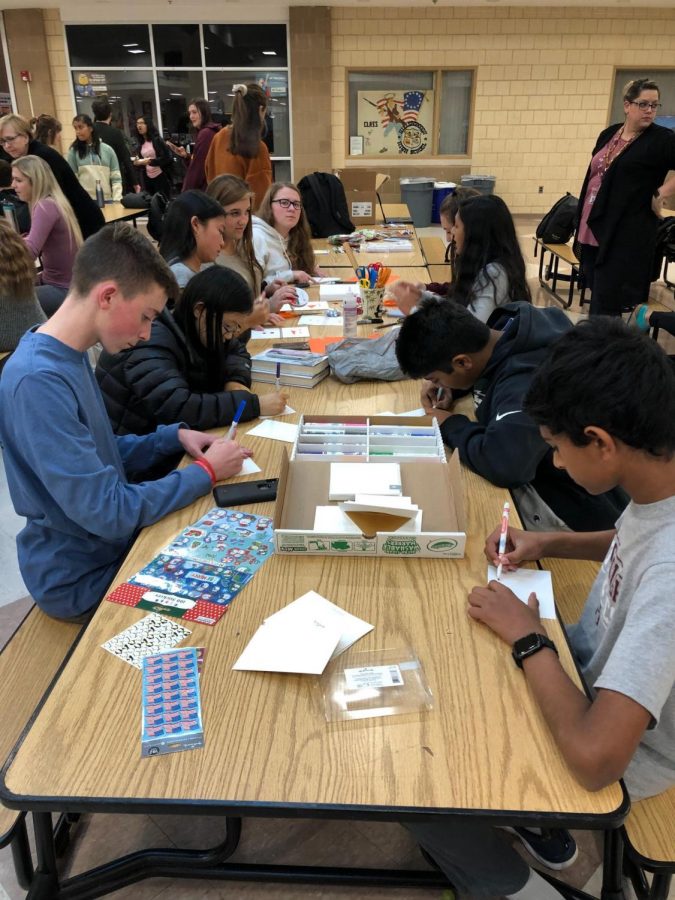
x: 204, y: 130
x: 192, y: 234
x: 154, y: 158
x: 238, y: 149
x: 94, y: 161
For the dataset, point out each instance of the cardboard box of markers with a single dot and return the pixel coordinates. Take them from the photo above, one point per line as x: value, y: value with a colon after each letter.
x: 370, y: 486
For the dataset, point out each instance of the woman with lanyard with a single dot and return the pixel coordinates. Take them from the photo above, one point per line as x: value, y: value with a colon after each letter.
x: 204, y: 129
x: 622, y: 195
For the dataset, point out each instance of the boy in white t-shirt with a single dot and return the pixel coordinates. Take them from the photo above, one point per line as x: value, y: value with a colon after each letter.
x: 605, y: 401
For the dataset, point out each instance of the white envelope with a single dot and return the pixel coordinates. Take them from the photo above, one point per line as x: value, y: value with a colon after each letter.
x: 303, y: 647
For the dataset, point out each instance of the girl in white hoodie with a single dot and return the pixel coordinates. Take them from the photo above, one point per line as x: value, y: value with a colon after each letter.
x: 281, y: 236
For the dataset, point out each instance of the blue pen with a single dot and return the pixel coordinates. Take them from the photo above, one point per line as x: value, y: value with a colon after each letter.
x: 237, y: 416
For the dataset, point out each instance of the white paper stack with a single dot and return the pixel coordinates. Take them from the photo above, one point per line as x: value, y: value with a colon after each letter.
x: 302, y: 637
x: 349, y: 479
x: 338, y: 291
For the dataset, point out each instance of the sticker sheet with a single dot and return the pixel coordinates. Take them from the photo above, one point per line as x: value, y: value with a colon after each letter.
x: 171, y: 706
x: 203, y: 569
x: 151, y: 635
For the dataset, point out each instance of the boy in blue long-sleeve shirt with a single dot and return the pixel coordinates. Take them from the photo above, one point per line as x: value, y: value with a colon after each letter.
x: 68, y: 474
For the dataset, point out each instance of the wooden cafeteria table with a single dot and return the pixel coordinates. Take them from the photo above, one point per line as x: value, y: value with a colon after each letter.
x: 115, y: 212
x: 483, y: 751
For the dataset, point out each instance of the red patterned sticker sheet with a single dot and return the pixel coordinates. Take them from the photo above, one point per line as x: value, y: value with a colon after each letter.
x: 197, y: 576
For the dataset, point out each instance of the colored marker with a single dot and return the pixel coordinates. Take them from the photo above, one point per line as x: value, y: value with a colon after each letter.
x: 277, y: 380
x: 439, y: 394
x: 237, y: 416
x: 502, y: 538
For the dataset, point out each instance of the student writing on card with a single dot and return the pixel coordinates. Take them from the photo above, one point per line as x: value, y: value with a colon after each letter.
x: 448, y: 346
x: 616, y: 429
x: 67, y: 473
x: 193, y: 368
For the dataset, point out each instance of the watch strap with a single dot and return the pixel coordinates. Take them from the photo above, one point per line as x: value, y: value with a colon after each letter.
x: 529, y: 645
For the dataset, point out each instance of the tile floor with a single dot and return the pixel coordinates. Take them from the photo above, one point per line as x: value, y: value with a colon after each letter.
x: 96, y: 838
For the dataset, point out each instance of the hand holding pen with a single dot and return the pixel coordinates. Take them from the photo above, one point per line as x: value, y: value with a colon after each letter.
x: 503, y: 534
x: 232, y: 433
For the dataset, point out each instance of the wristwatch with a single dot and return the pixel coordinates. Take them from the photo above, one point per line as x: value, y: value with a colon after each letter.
x: 529, y: 645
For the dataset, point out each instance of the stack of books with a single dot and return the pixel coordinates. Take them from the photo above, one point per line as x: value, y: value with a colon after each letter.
x: 295, y: 368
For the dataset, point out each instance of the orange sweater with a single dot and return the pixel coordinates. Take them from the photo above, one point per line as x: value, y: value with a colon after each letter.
x: 257, y: 171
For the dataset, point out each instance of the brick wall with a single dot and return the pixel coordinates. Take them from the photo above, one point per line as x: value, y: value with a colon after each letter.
x: 310, y: 44
x: 544, y: 78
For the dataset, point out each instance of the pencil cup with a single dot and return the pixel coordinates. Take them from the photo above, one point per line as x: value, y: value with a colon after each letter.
x: 372, y: 301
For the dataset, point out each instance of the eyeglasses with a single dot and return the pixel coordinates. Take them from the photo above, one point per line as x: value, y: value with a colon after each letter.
x: 237, y: 214
x: 9, y: 140
x: 231, y: 329
x: 646, y: 104
x: 287, y: 204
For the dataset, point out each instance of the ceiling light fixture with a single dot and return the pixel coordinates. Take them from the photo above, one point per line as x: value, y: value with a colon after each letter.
x: 269, y: 53
x: 135, y: 51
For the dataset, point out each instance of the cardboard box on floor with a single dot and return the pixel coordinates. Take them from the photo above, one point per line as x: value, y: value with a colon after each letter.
x: 361, y: 187
x: 437, y: 490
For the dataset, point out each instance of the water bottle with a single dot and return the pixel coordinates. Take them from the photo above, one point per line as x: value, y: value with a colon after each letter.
x: 100, y: 199
x: 10, y: 214
x: 349, y: 316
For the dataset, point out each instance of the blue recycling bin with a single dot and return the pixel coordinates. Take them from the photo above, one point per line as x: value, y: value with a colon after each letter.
x: 442, y: 189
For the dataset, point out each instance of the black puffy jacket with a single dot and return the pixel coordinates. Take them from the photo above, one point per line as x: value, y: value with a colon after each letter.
x: 163, y: 381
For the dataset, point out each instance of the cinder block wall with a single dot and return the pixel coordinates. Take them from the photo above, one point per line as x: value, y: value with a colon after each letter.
x: 543, y: 82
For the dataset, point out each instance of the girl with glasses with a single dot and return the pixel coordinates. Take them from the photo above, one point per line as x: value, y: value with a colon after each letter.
x: 238, y: 253
x: 281, y: 236
x: 625, y: 188
x: 194, y: 368
x: 238, y: 149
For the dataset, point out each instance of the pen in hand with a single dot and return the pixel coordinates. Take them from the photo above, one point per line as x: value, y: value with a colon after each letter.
x: 439, y: 396
x: 502, y: 538
x: 237, y: 416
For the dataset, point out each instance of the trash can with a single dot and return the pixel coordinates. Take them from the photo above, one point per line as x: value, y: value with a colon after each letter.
x: 483, y: 183
x: 418, y: 193
x: 442, y: 189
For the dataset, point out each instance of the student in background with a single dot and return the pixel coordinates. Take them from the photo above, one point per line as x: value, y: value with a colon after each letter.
x: 238, y: 148
x: 9, y: 196
x: 47, y: 130
x: 94, y: 161
x: 67, y: 473
x: 616, y: 429
x: 282, y: 238
x: 204, y: 130
x: 193, y: 368
x: 490, y: 269
x: 454, y: 351
x: 192, y: 234
x: 54, y: 235
x: 16, y: 140
x: 238, y: 253
x: 114, y: 138
x: 154, y: 160
x: 19, y: 309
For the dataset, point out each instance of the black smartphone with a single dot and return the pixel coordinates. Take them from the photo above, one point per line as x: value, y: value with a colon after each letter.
x: 246, y: 492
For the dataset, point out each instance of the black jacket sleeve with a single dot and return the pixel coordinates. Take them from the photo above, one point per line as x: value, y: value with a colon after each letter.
x: 507, y: 448
x: 158, y: 381
x: 163, y: 156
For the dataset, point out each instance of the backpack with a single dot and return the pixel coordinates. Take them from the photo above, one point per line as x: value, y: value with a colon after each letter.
x: 323, y: 197
x: 557, y: 226
x: 156, y: 213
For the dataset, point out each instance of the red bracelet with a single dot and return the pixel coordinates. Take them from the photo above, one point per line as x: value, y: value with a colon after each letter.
x: 207, y: 467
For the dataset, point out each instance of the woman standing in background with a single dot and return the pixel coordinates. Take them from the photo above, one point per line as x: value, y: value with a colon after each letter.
x: 205, y: 129
x: 93, y: 161
x: 154, y: 158
x: 238, y: 148
x: 623, y: 193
